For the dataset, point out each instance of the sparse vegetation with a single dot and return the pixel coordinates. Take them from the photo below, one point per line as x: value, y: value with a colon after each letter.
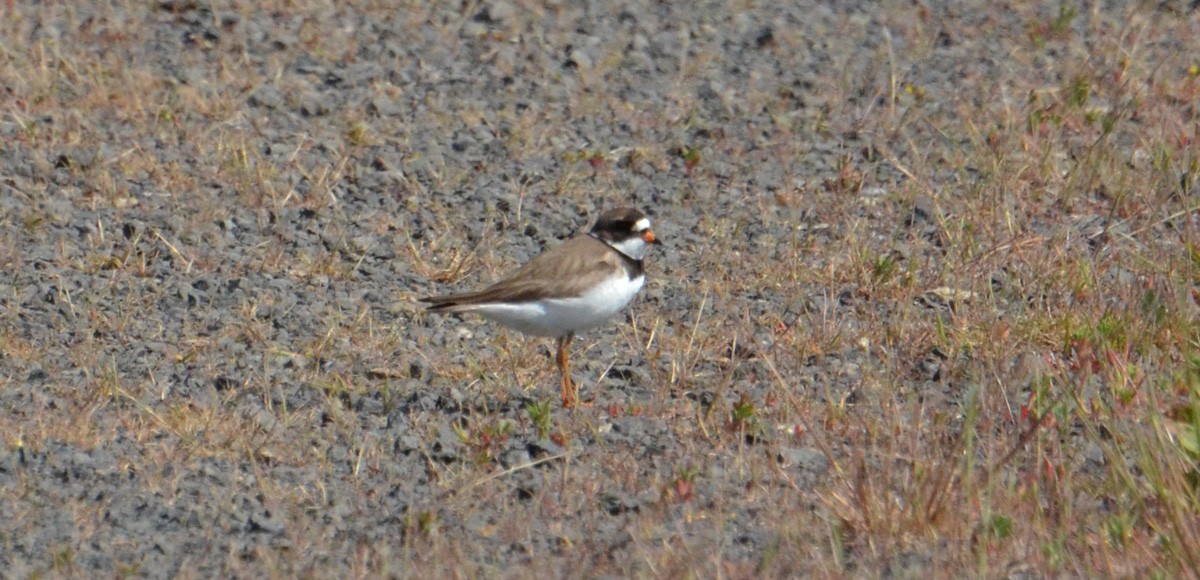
x: 928, y: 302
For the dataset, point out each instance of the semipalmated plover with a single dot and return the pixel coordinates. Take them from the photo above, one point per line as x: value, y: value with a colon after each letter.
x: 573, y: 287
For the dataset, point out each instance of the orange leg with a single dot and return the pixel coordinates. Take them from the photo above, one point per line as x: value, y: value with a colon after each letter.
x: 570, y: 396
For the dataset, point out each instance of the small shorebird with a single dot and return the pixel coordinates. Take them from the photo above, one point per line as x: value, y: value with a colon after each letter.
x: 573, y: 287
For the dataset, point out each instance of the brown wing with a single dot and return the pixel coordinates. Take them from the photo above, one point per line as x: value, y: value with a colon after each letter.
x: 565, y: 271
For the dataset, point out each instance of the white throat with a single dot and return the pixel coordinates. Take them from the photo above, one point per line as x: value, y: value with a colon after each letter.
x: 634, y: 247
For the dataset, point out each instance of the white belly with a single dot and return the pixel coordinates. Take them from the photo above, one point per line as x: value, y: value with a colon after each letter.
x: 562, y: 316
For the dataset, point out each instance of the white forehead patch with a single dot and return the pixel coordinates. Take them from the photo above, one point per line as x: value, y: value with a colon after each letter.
x: 642, y: 224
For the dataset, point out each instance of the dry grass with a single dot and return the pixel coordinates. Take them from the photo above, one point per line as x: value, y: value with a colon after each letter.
x: 972, y: 288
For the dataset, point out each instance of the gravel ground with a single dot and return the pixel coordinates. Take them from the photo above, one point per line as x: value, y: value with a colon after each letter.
x: 212, y: 362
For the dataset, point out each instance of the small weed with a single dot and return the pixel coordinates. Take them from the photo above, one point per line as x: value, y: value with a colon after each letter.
x: 485, y: 441
x: 917, y: 92
x: 743, y: 419
x: 63, y: 559
x: 1055, y: 552
x: 691, y: 158
x: 1000, y: 526
x: 1111, y: 331
x: 1079, y: 92
x: 633, y: 158
x: 129, y: 571
x: 596, y: 159
x: 1119, y: 529
x: 358, y: 133
x: 31, y: 223
x: 1062, y: 22
x: 460, y: 430
x: 884, y: 268
x: 541, y: 417
x: 683, y: 486
x: 849, y: 179
x: 424, y: 523
x: 1058, y: 28
x: 496, y: 432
